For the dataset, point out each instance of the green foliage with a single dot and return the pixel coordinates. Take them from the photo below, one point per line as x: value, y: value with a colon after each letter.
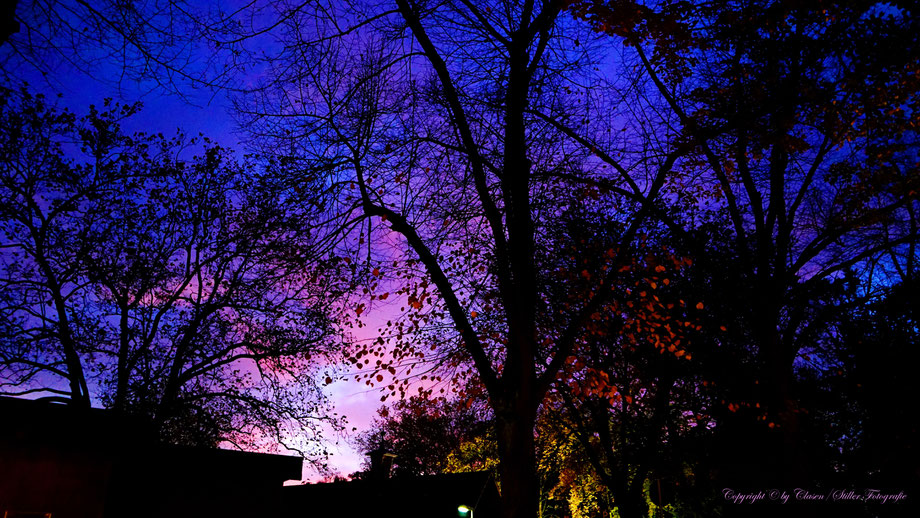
x: 430, y: 436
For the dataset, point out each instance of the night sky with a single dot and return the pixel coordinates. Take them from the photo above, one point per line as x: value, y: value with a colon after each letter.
x: 210, y: 115
x: 770, y: 177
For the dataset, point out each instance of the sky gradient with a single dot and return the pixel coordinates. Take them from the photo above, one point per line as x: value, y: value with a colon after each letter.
x: 211, y: 116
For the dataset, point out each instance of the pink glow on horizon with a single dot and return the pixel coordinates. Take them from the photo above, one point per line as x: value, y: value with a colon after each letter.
x: 166, y: 114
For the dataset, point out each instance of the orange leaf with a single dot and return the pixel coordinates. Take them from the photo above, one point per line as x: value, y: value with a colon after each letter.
x: 699, y: 305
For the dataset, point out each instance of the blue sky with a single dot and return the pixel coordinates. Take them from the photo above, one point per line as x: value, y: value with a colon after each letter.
x: 211, y: 115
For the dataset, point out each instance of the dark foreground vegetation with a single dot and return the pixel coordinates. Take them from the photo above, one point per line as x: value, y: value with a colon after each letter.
x: 664, y: 253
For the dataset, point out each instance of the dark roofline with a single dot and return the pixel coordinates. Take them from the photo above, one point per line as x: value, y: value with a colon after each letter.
x: 40, y: 421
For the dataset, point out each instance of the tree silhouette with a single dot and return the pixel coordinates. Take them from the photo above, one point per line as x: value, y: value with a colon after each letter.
x: 521, y: 185
x: 160, y: 44
x: 799, y: 119
x: 179, y: 288
x: 435, y: 128
x: 422, y: 433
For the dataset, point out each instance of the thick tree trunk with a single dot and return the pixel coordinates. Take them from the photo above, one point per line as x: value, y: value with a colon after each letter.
x: 784, y: 453
x: 517, y: 452
x: 79, y: 392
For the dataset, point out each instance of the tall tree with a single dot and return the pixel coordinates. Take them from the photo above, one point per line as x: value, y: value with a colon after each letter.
x: 800, y: 117
x: 434, y: 125
x: 181, y: 288
x: 631, y: 396
x: 46, y: 221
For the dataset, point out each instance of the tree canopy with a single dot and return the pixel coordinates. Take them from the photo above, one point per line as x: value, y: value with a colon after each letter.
x: 178, y: 287
x: 643, y: 235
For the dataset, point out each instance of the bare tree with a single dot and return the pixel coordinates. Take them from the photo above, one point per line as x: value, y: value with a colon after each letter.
x: 799, y: 123
x: 180, y: 288
x: 442, y: 131
x: 165, y: 45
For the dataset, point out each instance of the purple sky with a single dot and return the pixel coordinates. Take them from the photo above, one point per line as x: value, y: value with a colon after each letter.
x: 211, y: 116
